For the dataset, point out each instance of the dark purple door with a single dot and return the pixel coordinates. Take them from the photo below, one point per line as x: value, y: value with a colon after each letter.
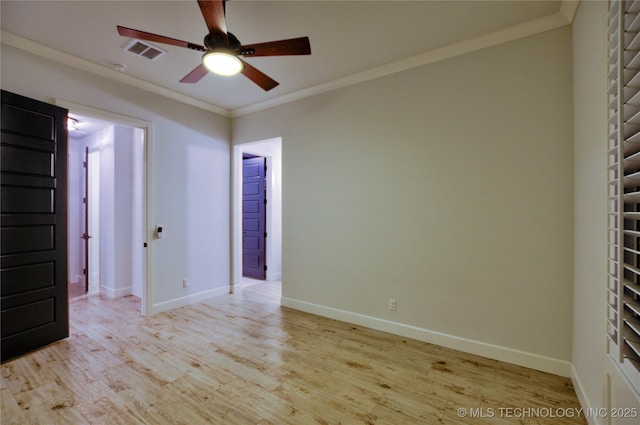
x: 254, y: 218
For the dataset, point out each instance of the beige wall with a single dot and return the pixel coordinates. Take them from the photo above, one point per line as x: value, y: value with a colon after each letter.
x: 590, y: 132
x: 447, y: 187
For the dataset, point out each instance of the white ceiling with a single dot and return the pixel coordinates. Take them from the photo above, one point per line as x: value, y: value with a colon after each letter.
x: 86, y: 125
x: 347, y: 37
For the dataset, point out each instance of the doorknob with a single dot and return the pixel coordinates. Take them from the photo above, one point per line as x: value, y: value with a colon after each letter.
x: 85, y: 236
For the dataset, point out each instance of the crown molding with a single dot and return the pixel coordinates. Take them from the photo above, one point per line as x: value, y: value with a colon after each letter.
x: 495, y: 38
x: 562, y: 18
x: 38, y: 49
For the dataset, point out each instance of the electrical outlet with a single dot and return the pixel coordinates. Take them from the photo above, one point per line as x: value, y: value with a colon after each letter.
x: 185, y: 283
x: 392, y: 304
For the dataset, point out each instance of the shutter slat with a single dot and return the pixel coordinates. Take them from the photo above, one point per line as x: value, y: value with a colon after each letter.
x: 633, y: 6
x: 635, y: 138
x: 632, y: 305
x: 634, y: 43
x: 632, y: 180
x: 632, y: 287
x: 635, y: 347
x: 632, y: 22
x: 631, y: 59
x: 633, y: 81
x: 634, y: 327
x: 631, y: 198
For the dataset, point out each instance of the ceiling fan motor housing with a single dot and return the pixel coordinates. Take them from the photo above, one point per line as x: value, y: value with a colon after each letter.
x: 216, y: 43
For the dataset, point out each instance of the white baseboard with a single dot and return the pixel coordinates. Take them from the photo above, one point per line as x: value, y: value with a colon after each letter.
x: 274, y: 277
x: 496, y: 352
x: 115, y: 293
x: 189, y: 299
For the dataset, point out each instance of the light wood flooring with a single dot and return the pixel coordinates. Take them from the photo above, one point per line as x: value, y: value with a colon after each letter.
x: 243, y: 359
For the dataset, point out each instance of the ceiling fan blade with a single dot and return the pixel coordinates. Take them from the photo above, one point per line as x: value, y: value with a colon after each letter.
x: 292, y: 46
x: 195, y: 75
x: 213, y: 14
x: 258, y: 77
x: 143, y: 35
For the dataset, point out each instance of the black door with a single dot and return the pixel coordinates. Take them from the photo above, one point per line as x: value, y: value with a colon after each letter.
x: 33, y: 228
x: 253, y: 218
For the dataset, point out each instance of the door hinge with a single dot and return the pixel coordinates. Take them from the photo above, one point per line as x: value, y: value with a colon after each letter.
x: 265, y: 268
x: 265, y: 201
x: 84, y: 164
x: 84, y: 271
x: 265, y: 234
x: 84, y: 200
x: 145, y: 244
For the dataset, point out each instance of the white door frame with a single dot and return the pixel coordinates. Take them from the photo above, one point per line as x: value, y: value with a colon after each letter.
x: 272, y: 150
x: 148, y: 290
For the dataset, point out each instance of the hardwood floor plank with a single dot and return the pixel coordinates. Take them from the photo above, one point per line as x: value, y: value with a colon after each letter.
x: 242, y: 359
x: 9, y: 408
x: 309, y: 406
x: 49, y: 401
x: 103, y: 407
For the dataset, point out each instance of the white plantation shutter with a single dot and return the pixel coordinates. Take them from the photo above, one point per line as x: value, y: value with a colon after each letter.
x: 624, y: 188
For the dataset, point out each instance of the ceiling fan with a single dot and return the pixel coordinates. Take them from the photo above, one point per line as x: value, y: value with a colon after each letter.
x: 223, y: 51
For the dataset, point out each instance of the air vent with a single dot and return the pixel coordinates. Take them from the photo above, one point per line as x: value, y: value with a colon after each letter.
x: 143, y: 49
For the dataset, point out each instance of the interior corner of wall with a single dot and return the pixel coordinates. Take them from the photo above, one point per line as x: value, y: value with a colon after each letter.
x: 568, y: 10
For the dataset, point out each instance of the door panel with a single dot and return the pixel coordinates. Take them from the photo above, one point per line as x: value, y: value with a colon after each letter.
x: 27, y: 200
x: 23, y: 119
x: 253, y: 218
x: 27, y: 278
x: 20, y: 160
x: 25, y: 317
x: 33, y: 228
x: 21, y: 239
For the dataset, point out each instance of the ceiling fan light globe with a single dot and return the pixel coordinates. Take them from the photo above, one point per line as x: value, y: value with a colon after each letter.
x: 222, y: 63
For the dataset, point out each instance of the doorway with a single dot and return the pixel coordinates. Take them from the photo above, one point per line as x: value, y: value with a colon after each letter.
x: 83, y: 217
x: 107, y: 204
x: 271, y: 151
